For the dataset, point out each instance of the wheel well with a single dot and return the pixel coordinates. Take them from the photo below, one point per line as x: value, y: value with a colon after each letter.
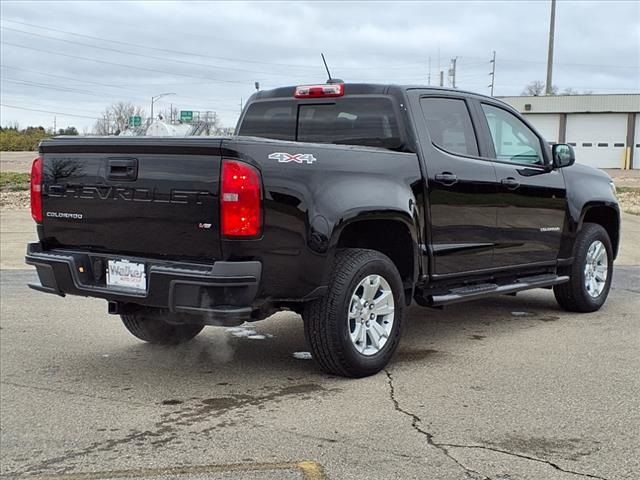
x: 390, y: 237
x: 608, y: 218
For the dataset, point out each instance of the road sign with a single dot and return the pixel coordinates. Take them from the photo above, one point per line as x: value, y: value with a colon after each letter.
x: 186, y: 115
x: 135, y: 121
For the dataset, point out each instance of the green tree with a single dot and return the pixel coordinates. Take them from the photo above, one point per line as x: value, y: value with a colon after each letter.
x: 14, y: 140
x: 68, y: 131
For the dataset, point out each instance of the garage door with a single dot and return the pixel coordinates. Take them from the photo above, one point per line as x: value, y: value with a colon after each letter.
x: 548, y: 124
x: 598, y: 138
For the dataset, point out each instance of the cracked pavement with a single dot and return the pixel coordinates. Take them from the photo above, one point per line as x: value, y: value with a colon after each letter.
x: 501, y: 389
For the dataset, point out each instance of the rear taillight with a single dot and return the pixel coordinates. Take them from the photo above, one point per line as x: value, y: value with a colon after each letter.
x: 36, y: 189
x: 240, y: 200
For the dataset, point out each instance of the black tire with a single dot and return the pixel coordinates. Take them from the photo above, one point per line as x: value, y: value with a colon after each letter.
x: 573, y: 295
x: 326, y: 322
x: 152, y: 325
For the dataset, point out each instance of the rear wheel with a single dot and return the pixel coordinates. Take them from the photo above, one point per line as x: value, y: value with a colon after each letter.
x: 590, y: 274
x: 355, y: 328
x: 159, y: 326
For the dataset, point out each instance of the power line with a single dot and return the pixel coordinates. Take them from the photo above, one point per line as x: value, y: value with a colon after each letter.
x: 540, y: 62
x: 48, y: 111
x: 277, y: 64
x: 241, y: 82
x: 165, y: 50
x: 50, y: 86
x: 54, y: 105
x: 125, y: 52
x: 472, y: 64
x: 40, y: 72
x: 193, y: 54
x: 583, y: 87
x: 139, y: 93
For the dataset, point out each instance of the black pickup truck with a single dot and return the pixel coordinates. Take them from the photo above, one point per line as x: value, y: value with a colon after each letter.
x: 341, y: 202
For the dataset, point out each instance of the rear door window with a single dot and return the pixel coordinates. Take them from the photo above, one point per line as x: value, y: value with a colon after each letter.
x: 449, y: 125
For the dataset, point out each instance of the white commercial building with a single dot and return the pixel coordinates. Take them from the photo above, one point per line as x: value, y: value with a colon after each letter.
x: 604, y: 130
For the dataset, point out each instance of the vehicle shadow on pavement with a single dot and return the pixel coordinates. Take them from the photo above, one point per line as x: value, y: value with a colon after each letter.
x: 266, y: 349
x: 430, y: 334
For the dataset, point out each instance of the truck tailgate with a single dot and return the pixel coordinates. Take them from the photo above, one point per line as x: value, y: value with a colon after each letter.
x: 146, y: 196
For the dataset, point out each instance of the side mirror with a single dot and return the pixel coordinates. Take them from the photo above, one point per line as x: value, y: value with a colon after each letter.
x: 563, y: 155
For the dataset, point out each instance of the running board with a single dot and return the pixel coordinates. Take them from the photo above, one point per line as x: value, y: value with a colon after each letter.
x: 474, y: 292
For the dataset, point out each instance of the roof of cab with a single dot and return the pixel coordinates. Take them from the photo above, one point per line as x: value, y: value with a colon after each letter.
x: 373, y: 89
x: 362, y: 89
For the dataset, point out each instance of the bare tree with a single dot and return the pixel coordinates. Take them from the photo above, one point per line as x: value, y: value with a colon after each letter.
x: 570, y: 91
x: 116, y: 118
x: 214, y: 122
x: 61, y: 168
x: 173, y: 113
x: 537, y: 88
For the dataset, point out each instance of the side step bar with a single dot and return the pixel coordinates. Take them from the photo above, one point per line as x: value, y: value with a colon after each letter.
x: 474, y: 292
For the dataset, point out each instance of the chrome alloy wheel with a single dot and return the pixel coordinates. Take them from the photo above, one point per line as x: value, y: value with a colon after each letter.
x: 596, y: 269
x: 371, y: 315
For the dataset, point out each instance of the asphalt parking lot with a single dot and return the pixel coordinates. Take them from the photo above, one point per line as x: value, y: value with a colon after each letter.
x: 507, y: 388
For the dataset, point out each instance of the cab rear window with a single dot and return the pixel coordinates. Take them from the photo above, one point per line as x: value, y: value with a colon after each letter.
x: 367, y: 121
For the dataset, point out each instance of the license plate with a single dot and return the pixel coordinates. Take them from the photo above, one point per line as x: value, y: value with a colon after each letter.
x: 126, y: 275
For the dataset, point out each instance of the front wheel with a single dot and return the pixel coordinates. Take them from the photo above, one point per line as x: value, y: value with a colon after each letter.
x: 590, y: 274
x: 355, y: 328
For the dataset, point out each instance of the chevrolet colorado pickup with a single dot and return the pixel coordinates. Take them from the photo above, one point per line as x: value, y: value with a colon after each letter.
x: 341, y: 202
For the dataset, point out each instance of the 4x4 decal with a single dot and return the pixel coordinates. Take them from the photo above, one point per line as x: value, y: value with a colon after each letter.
x: 283, y: 157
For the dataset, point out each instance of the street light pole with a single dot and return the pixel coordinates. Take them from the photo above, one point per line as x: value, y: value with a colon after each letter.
x: 158, y: 97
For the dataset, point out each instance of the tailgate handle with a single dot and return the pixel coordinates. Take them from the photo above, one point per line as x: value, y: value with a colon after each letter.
x: 122, y: 169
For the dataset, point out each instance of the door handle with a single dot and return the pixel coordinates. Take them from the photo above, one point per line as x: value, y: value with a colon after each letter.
x: 446, y: 178
x: 510, y: 182
x: 122, y: 169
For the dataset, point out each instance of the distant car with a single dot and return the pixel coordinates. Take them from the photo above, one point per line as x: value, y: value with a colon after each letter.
x: 342, y: 202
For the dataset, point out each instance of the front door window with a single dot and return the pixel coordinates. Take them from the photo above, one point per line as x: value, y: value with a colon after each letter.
x: 514, y: 142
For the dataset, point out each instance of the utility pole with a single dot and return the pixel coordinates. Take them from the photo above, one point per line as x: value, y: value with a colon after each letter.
x: 493, y: 71
x: 55, y: 128
x: 241, y: 107
x: 442, y: 78
x: 552, y: 27
x: 429, y: 75
x: 452, y: 72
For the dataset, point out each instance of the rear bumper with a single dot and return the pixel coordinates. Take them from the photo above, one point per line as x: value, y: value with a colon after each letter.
x: 222, y: 291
